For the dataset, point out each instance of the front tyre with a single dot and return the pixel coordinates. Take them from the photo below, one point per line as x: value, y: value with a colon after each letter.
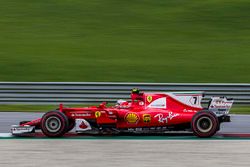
x: 54, y: 124
x: 71, y: 125
x: 204, y: 124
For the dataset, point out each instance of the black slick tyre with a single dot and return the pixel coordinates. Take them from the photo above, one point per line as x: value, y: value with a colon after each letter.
x: 71, y: 125
x: 54, y: 124
x: 204, y: 124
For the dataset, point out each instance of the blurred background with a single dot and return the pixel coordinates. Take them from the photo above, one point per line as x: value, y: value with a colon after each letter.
x: 127, y: 40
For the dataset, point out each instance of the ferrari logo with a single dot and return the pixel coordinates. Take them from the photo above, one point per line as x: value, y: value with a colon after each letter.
x: 132, y: 118
x: 97, y: 114
x: 149, y: 98
x: 146, y: 118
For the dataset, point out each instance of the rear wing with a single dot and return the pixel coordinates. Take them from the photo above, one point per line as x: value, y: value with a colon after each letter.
x: 220, y: 105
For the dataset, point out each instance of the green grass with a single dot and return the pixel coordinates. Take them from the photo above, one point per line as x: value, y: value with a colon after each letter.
x: 240, y: 110
x: 45, y: 108
x: 127, y: 40
x: 32, y: 108
x: 27, y: 108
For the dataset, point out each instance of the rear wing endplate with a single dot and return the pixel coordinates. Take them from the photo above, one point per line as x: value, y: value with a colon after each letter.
x: 220, y: 105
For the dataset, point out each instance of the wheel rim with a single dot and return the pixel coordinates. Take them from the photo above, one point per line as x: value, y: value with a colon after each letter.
x: 53, y: 124
x: 204, y: 124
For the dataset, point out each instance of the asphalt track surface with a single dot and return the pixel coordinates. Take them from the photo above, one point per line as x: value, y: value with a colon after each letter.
x: 124, y: 153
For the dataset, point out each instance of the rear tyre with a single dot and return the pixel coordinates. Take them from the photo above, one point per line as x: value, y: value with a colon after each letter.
x: 54, y: 124
x: 205, y: 124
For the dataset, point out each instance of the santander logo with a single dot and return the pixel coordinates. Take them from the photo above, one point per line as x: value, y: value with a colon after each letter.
x: 82, y: 125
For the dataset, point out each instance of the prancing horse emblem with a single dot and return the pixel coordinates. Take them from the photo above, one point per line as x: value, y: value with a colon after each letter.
x: 149, y: 98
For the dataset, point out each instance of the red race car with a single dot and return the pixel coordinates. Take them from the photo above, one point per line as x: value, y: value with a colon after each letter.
x: 145, y: 113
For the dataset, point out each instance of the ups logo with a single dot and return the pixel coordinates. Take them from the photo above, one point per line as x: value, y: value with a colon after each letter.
x: 146, y: 118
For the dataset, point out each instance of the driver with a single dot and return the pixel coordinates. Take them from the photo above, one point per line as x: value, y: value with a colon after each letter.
x: 136, y: 95
x: 137, y: 99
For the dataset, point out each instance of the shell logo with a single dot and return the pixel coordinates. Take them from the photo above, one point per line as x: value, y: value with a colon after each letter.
x: 149, y: 98
x: 132, y: 118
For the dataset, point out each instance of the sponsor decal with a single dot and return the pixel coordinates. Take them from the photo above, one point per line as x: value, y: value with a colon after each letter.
x: 149, y: 99
x: 132, y: 118
x: 97, y: 114
x: 163, y: 119
x: 81, y: 115
x: 147, y: 130
x: 159, y: 103
x: 22, y: 129
x: 146, y: 118
x: 185, y: 110
x: 221, y: 104
x: 83, y: 125
x: 135, y: 129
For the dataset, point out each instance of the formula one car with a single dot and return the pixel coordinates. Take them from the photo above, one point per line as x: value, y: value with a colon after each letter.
x: 145, y: 113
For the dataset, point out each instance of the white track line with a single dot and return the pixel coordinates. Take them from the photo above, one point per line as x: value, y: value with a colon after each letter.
x: 6, y: 135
